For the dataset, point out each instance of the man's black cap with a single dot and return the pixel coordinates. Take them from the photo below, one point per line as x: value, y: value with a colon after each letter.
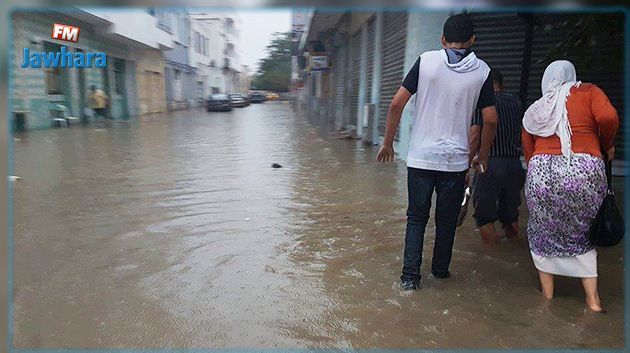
x: 458, y: 28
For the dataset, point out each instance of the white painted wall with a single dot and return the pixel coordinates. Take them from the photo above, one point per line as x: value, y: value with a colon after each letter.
x: 137, y: 25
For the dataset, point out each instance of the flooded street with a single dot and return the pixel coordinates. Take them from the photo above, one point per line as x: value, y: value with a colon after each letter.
x: 172, y: 230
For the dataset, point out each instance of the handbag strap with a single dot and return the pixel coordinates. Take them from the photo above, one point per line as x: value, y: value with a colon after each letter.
x: 608, y: 163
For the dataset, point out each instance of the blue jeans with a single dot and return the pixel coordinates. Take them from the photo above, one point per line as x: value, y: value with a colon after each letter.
x: 449, y: 187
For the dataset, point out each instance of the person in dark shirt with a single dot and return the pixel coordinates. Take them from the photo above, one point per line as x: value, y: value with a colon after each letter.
x: 497, y: 193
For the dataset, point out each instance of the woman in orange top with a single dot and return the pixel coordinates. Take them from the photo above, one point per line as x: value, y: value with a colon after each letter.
x: 564, y: 133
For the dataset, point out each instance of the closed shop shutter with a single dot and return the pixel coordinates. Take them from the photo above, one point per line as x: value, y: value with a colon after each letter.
x: 546, y: 38
x: 394, y: 40
x: 340, y: 80
x: 543, y: 41
x: 354, y: 85
x: 500, y: 42
x: 370, y: 60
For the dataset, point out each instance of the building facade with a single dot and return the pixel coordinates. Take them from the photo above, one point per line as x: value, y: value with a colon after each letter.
x: 231, y: 60
x: 207, y: 52
x: 179, y: 74
x: 157, y: 60
x: 244, y: 79
x: 130, y: 53
x: 147, y: 43
x: 36, y: 90
x: 200, y: 58
x: 221, y: 69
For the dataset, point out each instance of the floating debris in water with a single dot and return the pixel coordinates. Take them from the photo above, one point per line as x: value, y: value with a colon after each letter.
x: 393, y: 302
x: 276, y: 165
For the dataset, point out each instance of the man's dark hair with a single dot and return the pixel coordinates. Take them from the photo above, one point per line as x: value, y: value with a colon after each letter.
x: 458, y: 28
x: 497, y: 76
x: 93, y: 87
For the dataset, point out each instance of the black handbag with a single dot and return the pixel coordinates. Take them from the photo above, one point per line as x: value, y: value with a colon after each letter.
x: 608, y: 226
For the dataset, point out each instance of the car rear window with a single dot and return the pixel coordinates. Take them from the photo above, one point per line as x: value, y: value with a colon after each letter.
x: 219, y: 96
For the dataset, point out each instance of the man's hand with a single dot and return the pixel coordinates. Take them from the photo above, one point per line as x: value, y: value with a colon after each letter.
x: 467, y: 179
x: 480, y: 165
x: 385, y: 153
x: 471, y: 157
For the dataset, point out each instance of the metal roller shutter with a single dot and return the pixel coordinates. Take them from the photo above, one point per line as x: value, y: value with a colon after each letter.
x: 370, y: 60
x: 500, y: 42
x: 355, y: 75
x: 543, y: 41
x: 340, y: 80
x: 609, y: 80
x: 394, y: 40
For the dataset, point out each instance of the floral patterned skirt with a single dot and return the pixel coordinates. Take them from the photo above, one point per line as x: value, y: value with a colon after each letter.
x: 563, y: 199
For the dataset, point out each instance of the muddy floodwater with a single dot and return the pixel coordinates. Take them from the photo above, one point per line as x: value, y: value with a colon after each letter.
x: 173, y: 231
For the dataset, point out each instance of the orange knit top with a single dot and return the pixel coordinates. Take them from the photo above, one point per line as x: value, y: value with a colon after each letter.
x: 594, y: 123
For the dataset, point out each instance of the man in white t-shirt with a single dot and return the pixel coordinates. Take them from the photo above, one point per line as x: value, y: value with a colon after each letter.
x: 450, y: 84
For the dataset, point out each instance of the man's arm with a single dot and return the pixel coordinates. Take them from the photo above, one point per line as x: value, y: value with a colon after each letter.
x: 386, y: 153
x: 406, y: 90
x: 490, y: 118
x: 474, y: 137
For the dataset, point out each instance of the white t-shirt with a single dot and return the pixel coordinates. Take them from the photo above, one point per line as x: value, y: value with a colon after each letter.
x: 446, y: 99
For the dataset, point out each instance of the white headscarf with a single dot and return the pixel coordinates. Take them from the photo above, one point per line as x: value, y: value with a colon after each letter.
x: 548, y: 115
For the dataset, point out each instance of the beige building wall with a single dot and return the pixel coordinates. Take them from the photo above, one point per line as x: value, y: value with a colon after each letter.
x: 150, y: 82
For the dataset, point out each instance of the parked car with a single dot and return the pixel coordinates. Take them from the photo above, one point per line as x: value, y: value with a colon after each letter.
x: 272, y: 96
x: 257, y: 97
x: 238, y: 100
x: 247, y: 98
x: 219, y: 102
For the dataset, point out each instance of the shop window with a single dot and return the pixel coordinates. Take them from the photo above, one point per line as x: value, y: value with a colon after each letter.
x: 54, y: 76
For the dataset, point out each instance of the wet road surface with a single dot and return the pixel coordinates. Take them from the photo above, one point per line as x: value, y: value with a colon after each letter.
x: 173, y: 230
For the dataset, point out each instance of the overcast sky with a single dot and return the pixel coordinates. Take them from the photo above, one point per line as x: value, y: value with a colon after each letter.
x: 257, y: 29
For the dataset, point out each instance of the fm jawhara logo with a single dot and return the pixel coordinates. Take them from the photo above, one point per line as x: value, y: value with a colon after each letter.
x: 65, y: 32
x: 63, y: 58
